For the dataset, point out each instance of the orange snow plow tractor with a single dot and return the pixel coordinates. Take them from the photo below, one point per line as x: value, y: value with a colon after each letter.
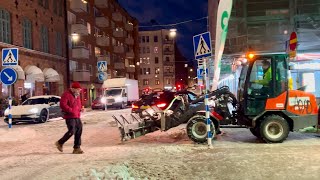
x: 266, y: 102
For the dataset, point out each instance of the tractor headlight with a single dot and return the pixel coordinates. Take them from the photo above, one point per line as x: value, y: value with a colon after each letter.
x: 34, y: 110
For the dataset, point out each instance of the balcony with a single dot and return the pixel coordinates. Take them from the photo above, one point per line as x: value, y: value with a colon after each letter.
x: 116, y: 16
x: 130, y: 54
x: 79, y: 29
x: 81, y: 75
x: 118, y: 49
x: 103, y: 41
x: 129, y: 27
x: 168, y: 74
x: 168, y: 63
x: 119, y: 65
x: 80, y: 53
x: 118, y: 34
x: 102, y: 22
x: 167, y: 52
x: 129, y: 41
x: 78, y: 6
x: 167, y: 41
x: 101, y: 3
x: 131, y: 69
x: 104, y: 58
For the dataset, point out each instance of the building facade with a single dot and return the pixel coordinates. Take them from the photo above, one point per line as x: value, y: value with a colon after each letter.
x: 101, y: 30
x: 37, y: 29
x: 157, y: 60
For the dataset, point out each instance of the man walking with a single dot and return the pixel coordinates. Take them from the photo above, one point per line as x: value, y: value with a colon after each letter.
x: 71, y: 107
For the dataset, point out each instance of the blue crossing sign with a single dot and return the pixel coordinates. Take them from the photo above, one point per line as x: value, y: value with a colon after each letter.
x: 200, y: 73
x: 8, y: 76
x: 102, y: 66
x: 202, y: 45
x: 10, y: 56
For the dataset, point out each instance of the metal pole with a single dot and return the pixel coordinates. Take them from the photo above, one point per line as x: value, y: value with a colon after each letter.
x: 66, y: 41
x: 206, y: 102
x: 10, y: 104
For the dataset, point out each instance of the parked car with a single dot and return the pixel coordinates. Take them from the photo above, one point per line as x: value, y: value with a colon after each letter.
x: 161, y: 99
x: 97, y: 104
x: 35, y: 109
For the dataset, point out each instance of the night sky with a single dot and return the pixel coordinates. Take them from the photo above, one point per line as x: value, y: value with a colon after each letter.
x: 171, y: 12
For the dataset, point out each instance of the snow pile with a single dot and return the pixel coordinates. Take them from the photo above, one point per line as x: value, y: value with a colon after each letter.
x: 17, y: 134
x: 120, y: 171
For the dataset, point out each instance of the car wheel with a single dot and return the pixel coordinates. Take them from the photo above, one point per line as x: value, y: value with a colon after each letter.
x: 274, y: 129
x: 43, y: 116
x: 123, y: 105
x: 197, y: 129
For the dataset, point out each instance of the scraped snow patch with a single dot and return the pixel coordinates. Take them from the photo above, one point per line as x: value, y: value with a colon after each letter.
x: 16, y: 134
x: 118, y: 171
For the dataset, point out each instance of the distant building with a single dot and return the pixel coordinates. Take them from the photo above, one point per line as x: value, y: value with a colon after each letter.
x: 157, y: 60
x: 37, y: 29
x: 101, y: 30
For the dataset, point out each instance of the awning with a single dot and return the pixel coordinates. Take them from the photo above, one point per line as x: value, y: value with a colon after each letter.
x: 51, y: 75
x: 33, y: 74
x: 19, y: 71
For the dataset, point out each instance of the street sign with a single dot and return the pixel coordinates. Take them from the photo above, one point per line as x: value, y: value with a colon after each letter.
x: 200, y: 73
x: 293, y: 41
x: 10, y: 56
x: 102, y: 76
x: 102, y: 66
x: 202, y: 45
x: 8, y: 76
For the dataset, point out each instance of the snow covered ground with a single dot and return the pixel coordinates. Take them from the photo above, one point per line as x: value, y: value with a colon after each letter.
x: 27, y: 151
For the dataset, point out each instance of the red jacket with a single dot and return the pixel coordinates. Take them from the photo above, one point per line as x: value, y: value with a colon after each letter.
x: 70, y: 105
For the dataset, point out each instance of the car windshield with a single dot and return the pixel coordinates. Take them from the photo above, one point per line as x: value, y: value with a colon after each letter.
x: 113, y: 92
x: 36, y: 101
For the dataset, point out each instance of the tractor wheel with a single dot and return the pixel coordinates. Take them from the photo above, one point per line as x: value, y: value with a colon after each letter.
x: 274, y: 129
x: 255, y: 131
x: 197, y: 129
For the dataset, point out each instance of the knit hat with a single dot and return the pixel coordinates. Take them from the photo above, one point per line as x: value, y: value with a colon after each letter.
x: 76, y: 85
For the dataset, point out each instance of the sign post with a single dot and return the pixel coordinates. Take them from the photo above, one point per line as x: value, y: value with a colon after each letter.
x: 9, y: 76
x: 293, y: 43
x: 102, y: 67
x: 202, y: 50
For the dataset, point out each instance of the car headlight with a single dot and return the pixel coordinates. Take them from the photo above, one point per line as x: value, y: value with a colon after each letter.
x: 34, y: 110
x: 6, y: 112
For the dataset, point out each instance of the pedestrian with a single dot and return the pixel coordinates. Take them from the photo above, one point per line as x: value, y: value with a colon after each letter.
x: 71, y: 107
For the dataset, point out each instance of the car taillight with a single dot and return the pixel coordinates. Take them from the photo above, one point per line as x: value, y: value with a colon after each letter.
x: 161, y: 105
x: 135, y: 106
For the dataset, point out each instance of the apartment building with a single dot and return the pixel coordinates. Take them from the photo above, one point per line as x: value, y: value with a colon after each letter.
x: 101, y: 30
x: 157, y: 60
x: 37, y: 29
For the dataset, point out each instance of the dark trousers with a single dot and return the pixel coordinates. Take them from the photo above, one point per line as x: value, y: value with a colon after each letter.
x: 74, y: 128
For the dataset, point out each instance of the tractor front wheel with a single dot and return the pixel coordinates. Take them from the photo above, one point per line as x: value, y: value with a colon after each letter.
x: 274, y: 129
x: 197, y: 129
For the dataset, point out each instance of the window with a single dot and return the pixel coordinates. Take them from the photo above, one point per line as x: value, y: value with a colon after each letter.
x: 149, y: 71
x: 143, y: 50
x: 143, y: 39
x: 57, y: 7
x: 157, y: 70
x: 89, y: 28
x: 40, y: 2
x: 168, y: 59
x: 167, y: 37
x: 156, y: 50
x: 5, y: 28
x: 156, y: 60
x: 90, y: 69
x: 145, y: 82
x: 141, y: 71
x: 90, y: 49
x: 168, y: 81
x: 157, y: 82
x: 59, y: 43
x: 144, y: 71
x: 147, y: 39
x: 27, y: 33
x: 97, y: 51
x: 44, y: 39
x: 84, y: 66
x: 155, y: 39
x: 96, y: 31
x: 148, y: 49
x: 46, y: 4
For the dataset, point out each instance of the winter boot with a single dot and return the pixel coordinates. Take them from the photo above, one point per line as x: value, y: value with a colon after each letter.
x: 77, y: 151
x: 59, y: 146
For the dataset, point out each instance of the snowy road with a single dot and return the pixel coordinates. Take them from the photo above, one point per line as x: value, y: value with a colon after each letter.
x: 28, y: 152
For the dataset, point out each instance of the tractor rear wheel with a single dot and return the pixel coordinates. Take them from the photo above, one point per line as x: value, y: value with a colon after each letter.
x: 274, y: 129
x: 197, y: 129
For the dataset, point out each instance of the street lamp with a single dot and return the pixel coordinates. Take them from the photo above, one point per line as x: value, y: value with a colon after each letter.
x: 75, y: 37
x: 173, y: 32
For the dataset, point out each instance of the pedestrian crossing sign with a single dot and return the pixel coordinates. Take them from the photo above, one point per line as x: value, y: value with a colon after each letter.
x: 10, y: 56
x: 202, y: 45
x: 102, y: 66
